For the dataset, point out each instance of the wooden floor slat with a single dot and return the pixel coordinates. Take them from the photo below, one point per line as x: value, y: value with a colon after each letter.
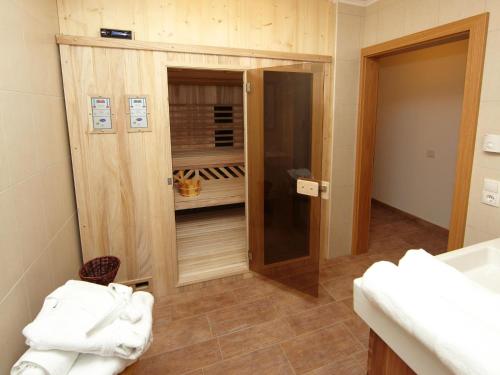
x: 211, y: 244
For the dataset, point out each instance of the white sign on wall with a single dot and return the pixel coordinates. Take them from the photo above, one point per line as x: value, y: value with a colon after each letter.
x: 138, y: 112
x: 101, y: 113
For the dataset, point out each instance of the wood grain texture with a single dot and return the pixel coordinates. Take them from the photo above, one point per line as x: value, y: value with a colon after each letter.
x: 214, y: 193
x: 124, y: 204
x: 383, y: 361
x: 187, y: 48
x: 193, y: 113
x: 475, y: 29
x: 211, y: 245
x: 301, y: 26
x: 255, y: 166
x: 207, y: 158
x: 365, y: 148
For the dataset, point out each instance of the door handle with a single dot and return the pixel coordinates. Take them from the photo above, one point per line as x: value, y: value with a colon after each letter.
x: 312, y: 188
x: 308, y: 187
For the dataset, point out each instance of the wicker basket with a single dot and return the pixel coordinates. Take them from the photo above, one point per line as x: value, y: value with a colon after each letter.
x: 189, y: 187
x: 100, y: 270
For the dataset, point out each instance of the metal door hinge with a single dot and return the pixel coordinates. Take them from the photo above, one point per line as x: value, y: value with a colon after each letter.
x: 248, y: 87
x: 169, y: 181
x: 249, y: 255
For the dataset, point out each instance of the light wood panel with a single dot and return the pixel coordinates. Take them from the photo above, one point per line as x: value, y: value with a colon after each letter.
x: 475, y: 29
x: 303, y: 26
x: 196, y: 112
x: 215, y: 157
x: 124, y: 204
x: 204, y: 77
x: 211, y: 244
x: 214, y: 193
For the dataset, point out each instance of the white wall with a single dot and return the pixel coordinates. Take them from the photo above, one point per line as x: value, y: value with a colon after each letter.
x: 388, y: 19
x: 39, y: 242
x: 346, y: 72
x: 419, y: 108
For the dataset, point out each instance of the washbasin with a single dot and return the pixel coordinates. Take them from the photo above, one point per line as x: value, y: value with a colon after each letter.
x: 480, y: 263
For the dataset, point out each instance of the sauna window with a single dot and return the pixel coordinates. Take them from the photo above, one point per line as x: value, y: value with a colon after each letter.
x: 223, y: 114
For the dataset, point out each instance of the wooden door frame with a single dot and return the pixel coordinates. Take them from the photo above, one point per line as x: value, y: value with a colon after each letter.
x: 255, y: 167
x: 474, y: 29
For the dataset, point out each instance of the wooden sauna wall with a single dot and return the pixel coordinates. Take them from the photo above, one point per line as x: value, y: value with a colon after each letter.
x: 192, y: 123
x: 301, y: 26
x: 125, y: 206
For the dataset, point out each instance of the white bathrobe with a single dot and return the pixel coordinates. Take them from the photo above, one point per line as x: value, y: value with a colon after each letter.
x: 58, y: 362
x: 88, y: 318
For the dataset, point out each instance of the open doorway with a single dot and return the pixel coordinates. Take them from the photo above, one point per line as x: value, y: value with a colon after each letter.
x: 473, y: 31
x: 418, y: 121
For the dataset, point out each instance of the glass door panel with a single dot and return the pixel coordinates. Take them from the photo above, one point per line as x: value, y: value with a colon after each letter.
x: 284, y: 127
x: 287, y: 157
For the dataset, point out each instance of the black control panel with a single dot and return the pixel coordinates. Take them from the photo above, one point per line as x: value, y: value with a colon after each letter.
x: 113, y: 33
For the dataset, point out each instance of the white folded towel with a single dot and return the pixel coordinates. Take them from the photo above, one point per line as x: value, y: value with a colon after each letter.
x: 466, y: 345
x: 123, y: 337
x: 77, y: 308
x: 452, y: 285
x: 88, y: 364
x: 46, y: 362
x: 58, y: 362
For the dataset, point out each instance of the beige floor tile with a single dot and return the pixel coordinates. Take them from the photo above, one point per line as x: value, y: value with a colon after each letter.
x: 359, y: 329
x: 254, y: 338
x: 242, y: 316
x: 319, y: 317
x: 269, y: 361
x: 347, y: 366
x: 339, y: 287
x: 289, y: 302
x: 178, y: 334
x: 317, y: 349
x: 179, y: 361
x: 201, y: 305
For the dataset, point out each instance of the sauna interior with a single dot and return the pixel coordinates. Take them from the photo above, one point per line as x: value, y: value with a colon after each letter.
x: 207, y: 142
x: 249, y: 187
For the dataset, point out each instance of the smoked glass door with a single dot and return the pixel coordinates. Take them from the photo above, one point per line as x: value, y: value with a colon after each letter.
x: 284, y: 129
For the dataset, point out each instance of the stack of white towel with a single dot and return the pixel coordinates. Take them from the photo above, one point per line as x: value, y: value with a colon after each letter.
x: 85, y: 328
x: 450, y: 314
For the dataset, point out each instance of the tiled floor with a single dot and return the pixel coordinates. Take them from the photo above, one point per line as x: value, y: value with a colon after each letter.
x: 255, y: 326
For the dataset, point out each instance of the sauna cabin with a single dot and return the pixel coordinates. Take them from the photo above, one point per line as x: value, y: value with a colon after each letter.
x: 207, y: 142
x: 198, y: 165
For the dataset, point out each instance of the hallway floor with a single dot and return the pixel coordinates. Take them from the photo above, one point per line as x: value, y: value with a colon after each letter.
x: 255, y: 326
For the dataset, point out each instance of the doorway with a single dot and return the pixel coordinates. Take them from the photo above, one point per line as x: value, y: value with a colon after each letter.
x: 418, y: 118
x: 473, y: 30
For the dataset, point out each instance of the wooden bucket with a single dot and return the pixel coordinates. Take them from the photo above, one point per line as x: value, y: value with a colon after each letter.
x: 189, y: 187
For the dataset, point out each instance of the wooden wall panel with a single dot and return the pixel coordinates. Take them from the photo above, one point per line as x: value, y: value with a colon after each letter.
x: 125, y: 206
x: 303, y: 26
x: 192, y: 123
